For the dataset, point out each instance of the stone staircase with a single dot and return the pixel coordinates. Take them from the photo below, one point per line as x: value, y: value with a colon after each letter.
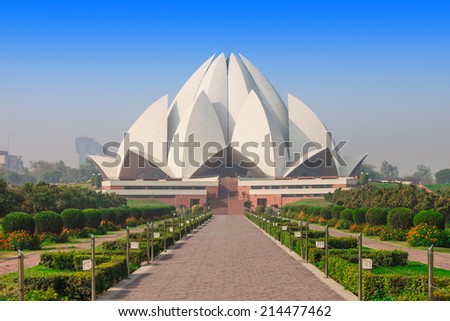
x: 227, y: 202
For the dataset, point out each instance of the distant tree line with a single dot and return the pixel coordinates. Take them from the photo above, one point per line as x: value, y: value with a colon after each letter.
x: 33, y: 198
x: 54, y: 173
x: 409, y: 196
x: 390, y: 172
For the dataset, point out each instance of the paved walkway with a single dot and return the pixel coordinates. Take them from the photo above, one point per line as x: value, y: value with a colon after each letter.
x: 441, y: 260
x: 226, y: 259
x: 33, y: 258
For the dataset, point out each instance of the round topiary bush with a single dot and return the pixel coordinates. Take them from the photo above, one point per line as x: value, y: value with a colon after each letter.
x: 93, y: 217
x: 325, y: 213
x: 332, y: 222
x: 343, y: 224
x: 121, y: 216
x: 48, y: 222
x: 108, y: 215
x: 136, y: 213
x: 347, y: 215
x: 18, y: 221
x: 73, y: 218
x: 376, y: 216
x: 400, y: 217
x: 430, y: 217
x: 359, y: 216
x: 336, y: 211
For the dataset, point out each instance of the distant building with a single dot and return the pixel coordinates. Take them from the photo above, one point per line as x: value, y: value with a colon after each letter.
x: 86, y: 146
x: 11, y: 162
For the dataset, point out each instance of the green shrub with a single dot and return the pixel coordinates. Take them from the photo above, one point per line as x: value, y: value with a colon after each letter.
x: 390, y: 234
x: 42, y: 295
x: 400, y: 217
x: 135, y: 212
x: 347, y: 215
x: 198, y: 209
x: 268, y: 211
x: 317, y: 211
x: 93, y: 217
x: 427, y: 235
x: 379, y: 257
x: 332, y: 222
x: 336, y: 211
x: 430, y: 217
x: 48, y: 222
x: 343, y: 225
x: 19, y: 240
x: 108, y: 215
x: 325, y: 213
x: 260, y: 209
x: 121, y: 216
x: 343, y: 242
x: 376, y: 216
x: 73, y: 218
x: 359, y: 216
x: 18, y: 221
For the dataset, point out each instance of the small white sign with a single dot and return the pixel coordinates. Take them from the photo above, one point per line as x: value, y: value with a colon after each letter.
x: 187, y: 222
x: 134, y: 245
x: 87, y: 265
x: 156, y: 235
x: 284, y: 228
x: 320, y: 244
x: 367, y: 264
x: 274, y: 224
x: 171, y: 229
x: 297, y: 234
x: 182, y: 224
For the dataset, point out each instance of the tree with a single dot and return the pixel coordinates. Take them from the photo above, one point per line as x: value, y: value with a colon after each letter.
x: 388, y: 171
x: 443, y: 176
x: 423, y: 175
x: 363, y: 178
x: 370, y: 170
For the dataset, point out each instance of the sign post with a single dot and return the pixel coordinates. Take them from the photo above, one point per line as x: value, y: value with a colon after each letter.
x: 93, y: 290
x: 360, y: 267
x: 165, y: 236
x: 306, y: 237
x: 148, y: 243
x: 21, y: 276
x: 301, y: 240
x: 152, y: 241
x: 290, y: 234
x: 127, y: 251
x: 430, y: 272
x: 326, y: 252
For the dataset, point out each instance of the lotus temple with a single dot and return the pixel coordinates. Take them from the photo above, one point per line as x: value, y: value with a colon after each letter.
x: 227, y: 138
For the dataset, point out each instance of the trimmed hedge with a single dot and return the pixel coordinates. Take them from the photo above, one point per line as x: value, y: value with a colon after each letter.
x: 135, y: 212
x: 359, y: 216
x: 400, y: 217
x: 325, y: 213
x: 431, y: 218
x: 376, y: 216
x: 347, y: 215
x: 48, y: 222
x: 336, y: 211
x: 93, y: 217
x: 73, y: 218
x: 18, y: 221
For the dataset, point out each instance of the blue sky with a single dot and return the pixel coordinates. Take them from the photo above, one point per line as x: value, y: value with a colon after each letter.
x: 376, y: 72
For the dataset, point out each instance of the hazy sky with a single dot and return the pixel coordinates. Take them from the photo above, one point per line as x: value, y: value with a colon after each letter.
x: 376, y: 72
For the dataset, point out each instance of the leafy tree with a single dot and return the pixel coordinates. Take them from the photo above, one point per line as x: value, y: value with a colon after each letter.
x: 370, y: 170
x: 363, y: 179
x: 423, y: 175
x: 388, y: 171
x: 443, y: 176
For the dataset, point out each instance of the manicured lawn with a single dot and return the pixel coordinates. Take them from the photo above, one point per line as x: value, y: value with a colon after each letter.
x: 311, y: 202
x: 412, y: 269
x: 144, y: 203
x: 380, y: 185
x: 438, y: 187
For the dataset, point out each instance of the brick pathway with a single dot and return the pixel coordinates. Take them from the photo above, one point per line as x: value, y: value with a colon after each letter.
x: 226, y: 259
x: 33, y: 258
x: 441, y: 260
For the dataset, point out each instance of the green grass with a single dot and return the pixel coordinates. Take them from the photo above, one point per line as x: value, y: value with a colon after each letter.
x: 438, y: 187
x: 144, y: 203
x: 311, y: 202
x: 412, y: 269
x: 379, y: 185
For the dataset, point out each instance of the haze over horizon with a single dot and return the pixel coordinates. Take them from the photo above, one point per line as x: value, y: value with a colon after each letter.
x: 375, y: 72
